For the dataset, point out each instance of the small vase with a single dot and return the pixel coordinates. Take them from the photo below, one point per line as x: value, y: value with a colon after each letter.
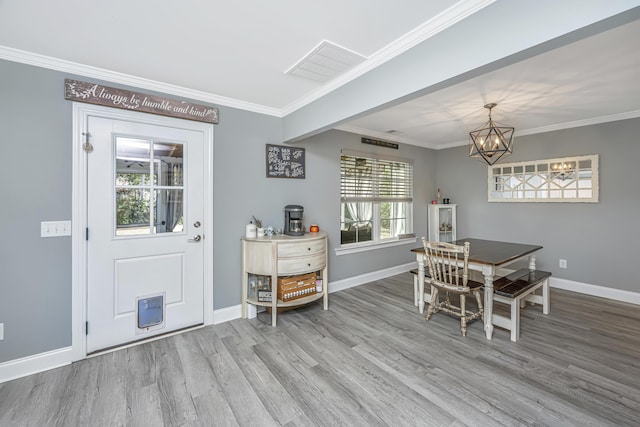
x: 260, y: 232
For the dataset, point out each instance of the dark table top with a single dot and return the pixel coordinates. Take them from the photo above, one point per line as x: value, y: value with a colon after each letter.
x: 491, y: 252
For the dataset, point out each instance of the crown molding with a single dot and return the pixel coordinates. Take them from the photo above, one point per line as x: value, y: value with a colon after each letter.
x: 29, y: 58
x: 579, y: 123
x: 428, y: 29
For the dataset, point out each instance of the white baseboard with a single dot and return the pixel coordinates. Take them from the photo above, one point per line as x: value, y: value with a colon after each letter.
x: 595, y: 290
x: 350, y: 282
x: 222, y: 315
x: 29, y: 365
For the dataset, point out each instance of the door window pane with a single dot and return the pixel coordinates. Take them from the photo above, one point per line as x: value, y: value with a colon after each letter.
x: 149, y: 187
x: 169, y: 158
x: 133, y: 207
x: 169, y: 211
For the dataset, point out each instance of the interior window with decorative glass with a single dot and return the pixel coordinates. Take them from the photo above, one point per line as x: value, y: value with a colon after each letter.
x: 375, y: 198
x: 566, y: 179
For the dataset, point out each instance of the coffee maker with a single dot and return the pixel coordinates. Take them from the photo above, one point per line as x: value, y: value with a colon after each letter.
x: 293, y: 220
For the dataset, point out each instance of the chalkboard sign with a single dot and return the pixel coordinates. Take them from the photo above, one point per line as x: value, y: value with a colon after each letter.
x: 284, y: 161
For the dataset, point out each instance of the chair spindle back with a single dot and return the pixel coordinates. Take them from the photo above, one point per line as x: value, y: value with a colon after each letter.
x: 448, y: 264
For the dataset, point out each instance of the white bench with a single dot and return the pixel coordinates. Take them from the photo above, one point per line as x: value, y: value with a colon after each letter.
x: 516, y: 289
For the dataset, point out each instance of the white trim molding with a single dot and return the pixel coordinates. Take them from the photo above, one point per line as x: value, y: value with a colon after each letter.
x: 30, y: 365
x: 595, y: 290
x: 226, y: 314
x: 351, y: 282
x: 48, y: 62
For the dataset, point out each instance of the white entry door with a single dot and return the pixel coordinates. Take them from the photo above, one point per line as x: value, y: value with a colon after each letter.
x: 145, y: 209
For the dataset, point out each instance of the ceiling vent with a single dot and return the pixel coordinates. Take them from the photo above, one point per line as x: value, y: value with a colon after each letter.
x: 325, y: 62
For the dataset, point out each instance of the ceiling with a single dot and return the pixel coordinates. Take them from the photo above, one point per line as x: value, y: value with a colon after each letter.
x: 237, y: 53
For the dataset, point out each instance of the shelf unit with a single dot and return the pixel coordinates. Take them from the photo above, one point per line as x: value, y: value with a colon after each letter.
x: 442, y: 223
x: 283, y: 256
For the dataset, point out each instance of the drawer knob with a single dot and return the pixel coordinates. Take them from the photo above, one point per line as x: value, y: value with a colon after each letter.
x: 308, y: 249
x: 309, y: 264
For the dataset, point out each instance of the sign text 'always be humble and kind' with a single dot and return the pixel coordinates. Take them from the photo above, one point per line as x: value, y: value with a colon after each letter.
x: 92, y: 93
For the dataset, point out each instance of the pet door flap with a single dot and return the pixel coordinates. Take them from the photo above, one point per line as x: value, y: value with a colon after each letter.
x: 150, y: 312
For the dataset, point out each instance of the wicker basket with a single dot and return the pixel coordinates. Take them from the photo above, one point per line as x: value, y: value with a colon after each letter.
x: 295, y: 287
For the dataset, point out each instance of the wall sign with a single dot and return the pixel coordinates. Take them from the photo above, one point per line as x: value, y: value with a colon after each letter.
x: 285, y: 162
x: 379, y: 143
x: 92, y: 93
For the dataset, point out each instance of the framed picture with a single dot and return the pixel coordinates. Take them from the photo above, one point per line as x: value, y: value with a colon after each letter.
x: 284, y: 161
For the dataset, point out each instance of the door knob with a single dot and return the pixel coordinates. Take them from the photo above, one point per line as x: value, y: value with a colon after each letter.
x: 196, y: 224
x: 196, y: 238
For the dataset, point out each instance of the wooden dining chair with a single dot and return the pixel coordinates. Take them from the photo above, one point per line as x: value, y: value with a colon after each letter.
x: 448, y: 268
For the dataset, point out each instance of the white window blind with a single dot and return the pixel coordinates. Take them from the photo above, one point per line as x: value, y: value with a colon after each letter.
x: 369, y: 179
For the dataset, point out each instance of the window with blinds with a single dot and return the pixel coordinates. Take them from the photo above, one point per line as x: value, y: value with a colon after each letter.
x: 371, y: 179
x: 375, y: 196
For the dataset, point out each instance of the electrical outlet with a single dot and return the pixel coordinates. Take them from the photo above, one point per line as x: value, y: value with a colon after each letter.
x: 55, y: 228
x: 1, y: 331
x: 563, y: 263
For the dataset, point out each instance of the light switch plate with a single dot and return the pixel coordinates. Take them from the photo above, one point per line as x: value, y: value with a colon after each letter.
x: 55, y: 228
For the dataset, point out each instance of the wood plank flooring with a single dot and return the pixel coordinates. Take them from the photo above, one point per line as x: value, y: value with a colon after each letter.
x: 370, y: 360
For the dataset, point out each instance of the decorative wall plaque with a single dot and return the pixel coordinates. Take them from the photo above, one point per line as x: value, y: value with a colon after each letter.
x: 284, y: 161
x: 92, y: 93
x: 379, y: 143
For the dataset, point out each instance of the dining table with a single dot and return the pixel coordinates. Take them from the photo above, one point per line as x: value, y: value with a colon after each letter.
x: 487, y: 257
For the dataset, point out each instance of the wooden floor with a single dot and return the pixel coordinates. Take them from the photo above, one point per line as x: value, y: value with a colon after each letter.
x: 370, y: 360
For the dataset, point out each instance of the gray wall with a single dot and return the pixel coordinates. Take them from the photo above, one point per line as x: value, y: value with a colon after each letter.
x: 597, y: 239
x: 35, y: 272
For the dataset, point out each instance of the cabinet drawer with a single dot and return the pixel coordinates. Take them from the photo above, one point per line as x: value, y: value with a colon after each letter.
x: 301, y: 264
x: 301, y: 248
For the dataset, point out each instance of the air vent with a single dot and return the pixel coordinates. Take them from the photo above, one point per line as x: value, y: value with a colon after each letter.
x: 325, y: 62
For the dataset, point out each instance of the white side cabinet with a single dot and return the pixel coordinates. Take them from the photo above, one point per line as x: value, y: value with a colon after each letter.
x: 442, y: 223
x: 273, y: 257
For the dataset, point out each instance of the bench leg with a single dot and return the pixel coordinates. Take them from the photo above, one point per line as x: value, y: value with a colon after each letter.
x: 546, y: 297
x: 515, y: 320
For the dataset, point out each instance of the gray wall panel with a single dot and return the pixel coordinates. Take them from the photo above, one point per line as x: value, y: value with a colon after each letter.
x: 35, y: 278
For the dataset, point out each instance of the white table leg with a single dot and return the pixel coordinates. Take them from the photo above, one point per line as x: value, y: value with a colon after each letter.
x: 488, y: 301
x: 532, y: 262
x: 420, y: 259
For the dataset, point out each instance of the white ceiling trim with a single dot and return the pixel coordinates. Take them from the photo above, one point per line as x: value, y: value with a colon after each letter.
x: 29, y: 58
x: 580, y: 123
x: 440, y: 22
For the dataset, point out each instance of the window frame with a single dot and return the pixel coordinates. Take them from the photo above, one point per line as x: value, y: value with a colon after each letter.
x: 543, y: 170
x: 377, y: 200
